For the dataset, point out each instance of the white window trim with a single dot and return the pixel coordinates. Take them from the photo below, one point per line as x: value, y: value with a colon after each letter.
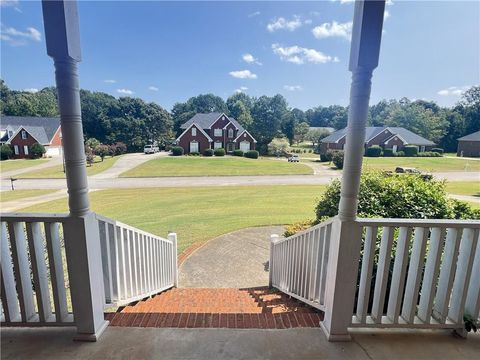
x: 217, y: 145
x: 24, y: 135
x: 230, y: 133
x: 25, y: 149
x: 16, y: 150
x: 217, y: 132
x: 194, y: 131
x: 245, y: 142
x: 194, y: 142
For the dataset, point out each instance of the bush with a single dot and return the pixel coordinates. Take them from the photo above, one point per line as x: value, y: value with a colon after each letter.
x: 102, y: 151
x: 208, y: 152
x: 329, y: 154
x: 323, y: 158
x: 373, y: 151
x: 89, y: 155
x: 37, y: 150
x: 177, y: 151
x: 338, y: 159
x: 294, y: 228
x: 238, y: 152
x: 278, y: 146
x: 400, y: 154
x: 388, y: 152
x: 5, y: 151
x: 410, y: 150
x: 219, y: 152
x: 194, y: 153
x: 429, y: 154
x: 251, y: 154
x: 437, y: 150
x: 120, y: 148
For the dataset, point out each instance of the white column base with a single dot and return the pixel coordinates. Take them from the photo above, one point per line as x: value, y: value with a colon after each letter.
x: 92, y: 337
x: 335, y: 337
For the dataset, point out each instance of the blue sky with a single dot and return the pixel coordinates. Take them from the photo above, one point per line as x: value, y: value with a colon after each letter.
x: 169, y: 51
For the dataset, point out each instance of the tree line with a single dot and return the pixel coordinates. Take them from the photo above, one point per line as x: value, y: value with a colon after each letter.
x: 136, y: 122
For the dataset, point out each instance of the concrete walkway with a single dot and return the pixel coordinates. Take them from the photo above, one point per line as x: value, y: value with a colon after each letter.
x: 235, y: 260
x: 208, y: 344
x: 125, y: 163
x: 469, y: 198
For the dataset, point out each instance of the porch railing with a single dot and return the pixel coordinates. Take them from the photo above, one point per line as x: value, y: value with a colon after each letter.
x: 298, y: 264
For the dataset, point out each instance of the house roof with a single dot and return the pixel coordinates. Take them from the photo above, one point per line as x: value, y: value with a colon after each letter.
x: 471, y: 137
x: 37, y: 132
x: 199, y: 128
x: 372, y: 131
x: 41, y: 128
x: 205, y: 121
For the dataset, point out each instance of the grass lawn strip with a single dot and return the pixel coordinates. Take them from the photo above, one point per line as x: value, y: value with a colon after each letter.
x: 10, y: 165
x: 22, y: 194
x: 471, y: 188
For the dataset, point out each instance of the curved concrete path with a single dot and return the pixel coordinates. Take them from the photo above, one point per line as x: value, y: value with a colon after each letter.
x: 51, y: 162
x: 235, y: 260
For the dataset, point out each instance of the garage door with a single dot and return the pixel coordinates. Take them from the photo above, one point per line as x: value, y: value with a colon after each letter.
x: 194, y: 146
x: 245, y: 146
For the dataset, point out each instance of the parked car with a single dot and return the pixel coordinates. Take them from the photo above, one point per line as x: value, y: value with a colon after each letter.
x: 293, y: 158
x: 150, y: 149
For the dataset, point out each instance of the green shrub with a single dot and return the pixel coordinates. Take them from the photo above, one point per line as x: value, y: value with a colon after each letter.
x: 120, y: 148
x: 102, y: 150
x: 5, y: 151
x: 219, y: 152
x: 294, y: 228
x: 429, y: 154
x: 388, y: 152
x: 410, y: 150
x: 310, y: 151
x: 177, y: 151
x: 37, y: 150
x: 194, y: 153
x: 400, y: 154
x: 329, y: 154
x: 251, y: 154
x: 238, y: 152
x: 208, y: 152
x: 373, y: 151
x: 338, y: 159
x: 438, y: 150
x: 323, y: 157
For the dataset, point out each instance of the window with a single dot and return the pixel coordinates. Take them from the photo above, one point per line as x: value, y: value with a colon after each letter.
x: 25, y: 149
x: 230, y: 133
x: 245, y: 146
x: 24, y: 134
x: 10, y: 133
x: 15, y: 149
x: 217, y: 145
x: 194, y: 131
x: 217, y: 132
x: 193, y: 146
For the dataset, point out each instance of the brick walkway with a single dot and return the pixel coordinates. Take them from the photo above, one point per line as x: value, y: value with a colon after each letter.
x: 218, y: 308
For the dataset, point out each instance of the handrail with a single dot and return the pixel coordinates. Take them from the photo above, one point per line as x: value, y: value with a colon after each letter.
x: 33, y: 217
x: 475, y: 224
x: 306, y: 231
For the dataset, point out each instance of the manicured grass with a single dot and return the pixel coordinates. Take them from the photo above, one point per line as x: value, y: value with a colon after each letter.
x: 199, y: 214
x: 474, y: 205
x: 471, y: 188
x: 440, y: 164
x: 56, y: 172
x: 22, y: 194
x: 9, y: 165
x: 204, y: 166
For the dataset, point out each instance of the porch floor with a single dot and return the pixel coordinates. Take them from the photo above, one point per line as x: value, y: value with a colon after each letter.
x: 260, y: 308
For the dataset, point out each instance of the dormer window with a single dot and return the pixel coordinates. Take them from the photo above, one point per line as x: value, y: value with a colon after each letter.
x: 217, y: 132
x: 194, y: 131
x: 24, y: 134
x: 230, y: 133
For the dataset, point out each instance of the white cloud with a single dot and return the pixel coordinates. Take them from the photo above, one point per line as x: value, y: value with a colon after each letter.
x: 31, y: 90
x: 299, y: 55
x: 453, y: 91
x: 110, y: 81
x: 5, y: 3
x: 249, y: 58
x: 386, y: 14
x: 241, y: 89
x: 125, y: 91
x: 292, y: 87
x: 256, y: 13
x: 243, y: 74
x: 333, y: 29
x: 16, y: 37
x: 153, y: 88
x: 284, y: 24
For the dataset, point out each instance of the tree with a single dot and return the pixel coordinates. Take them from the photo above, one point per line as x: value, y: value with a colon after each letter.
x: 316, y: 134
x: 241, y: 113
x: 37, y: 150
x: 278, y: 146
x: 92, y: 143
x: 5, y: 151
x: 102, y: 150
x: 301, y: 131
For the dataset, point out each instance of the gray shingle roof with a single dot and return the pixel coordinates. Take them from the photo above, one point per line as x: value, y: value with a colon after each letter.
x: 206, y: 120
x: 41, y: 128
x: 372, y: 131
x: 471, y: 137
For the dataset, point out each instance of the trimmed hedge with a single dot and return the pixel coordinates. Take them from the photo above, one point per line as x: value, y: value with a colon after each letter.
x: 238, y: 152
x: 338, y: 159
x: 388, y: 152
x: 437, y: 150
x: 194, y: 153
x: 37, y: 150
x: 177, y: 151
x: 208, y: 152
x: 400, y: 154
x: 410, y: 150
x: 5, y: 151
x: 219, y: 152
x: 429, y: 154
x: 374, y: 151
x: 251, y: 154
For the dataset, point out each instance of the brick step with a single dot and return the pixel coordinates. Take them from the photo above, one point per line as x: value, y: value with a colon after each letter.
x: 218, y: 308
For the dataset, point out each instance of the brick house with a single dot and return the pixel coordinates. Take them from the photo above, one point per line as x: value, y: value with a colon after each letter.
x: 21, y: 132
x: 214, y: 131
x: 395, y: 138
x: 469, y: 145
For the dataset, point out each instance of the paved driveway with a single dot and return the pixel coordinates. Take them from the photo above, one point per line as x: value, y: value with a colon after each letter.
x: 127, y: 162
x: 235, y: 260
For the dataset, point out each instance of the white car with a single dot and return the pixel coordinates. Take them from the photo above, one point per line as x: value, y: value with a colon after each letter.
x: 150, y: 149
x: 293, y: 158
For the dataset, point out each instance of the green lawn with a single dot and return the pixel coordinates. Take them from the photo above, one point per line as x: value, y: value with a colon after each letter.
x: 471, y: 188
x: 21, y: 194
x: 204, y: 166
x: 440, y: 164
x: 56, y: 172
x: 9, y: 165
x: 199, y: 214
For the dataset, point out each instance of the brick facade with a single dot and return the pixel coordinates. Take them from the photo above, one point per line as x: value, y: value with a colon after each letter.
x: 19, y: 143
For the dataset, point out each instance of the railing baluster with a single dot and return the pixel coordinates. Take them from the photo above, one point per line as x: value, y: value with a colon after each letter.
x: 321, y: 249
x: 326, y: 250
x: 9, y: 292
x: 123, y: 265
x: 134, y: 265
x: 106, y: 264
x: 472, y: 303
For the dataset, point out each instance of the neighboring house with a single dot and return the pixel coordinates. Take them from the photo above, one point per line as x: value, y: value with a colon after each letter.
x: 469, y: 145
x: 21, y: 132
x: 214, y: 131
x: 395, y: 138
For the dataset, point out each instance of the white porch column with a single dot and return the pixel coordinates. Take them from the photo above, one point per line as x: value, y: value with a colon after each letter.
x: 82, y: 242
x: 346, y: 234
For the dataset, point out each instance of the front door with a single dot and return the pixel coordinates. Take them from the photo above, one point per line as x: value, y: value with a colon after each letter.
x: 394, y: 148
x: 230, y: 147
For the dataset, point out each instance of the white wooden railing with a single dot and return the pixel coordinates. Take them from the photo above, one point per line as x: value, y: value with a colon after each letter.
x: 34, y: 271
x: 434, y: 279
x: 298, y: 264
x: 136, y: 264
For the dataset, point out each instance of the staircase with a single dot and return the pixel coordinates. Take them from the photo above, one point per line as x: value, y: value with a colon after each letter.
x: 261, y: 308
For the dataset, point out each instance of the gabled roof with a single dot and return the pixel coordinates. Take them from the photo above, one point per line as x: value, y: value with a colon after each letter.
x: 471, y: 137
x: 199, y: 128
x: 372, y: 131
x: 50, y: 126
x: 205, y: 121
x: 240, y: 134
x: 37, y: 132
